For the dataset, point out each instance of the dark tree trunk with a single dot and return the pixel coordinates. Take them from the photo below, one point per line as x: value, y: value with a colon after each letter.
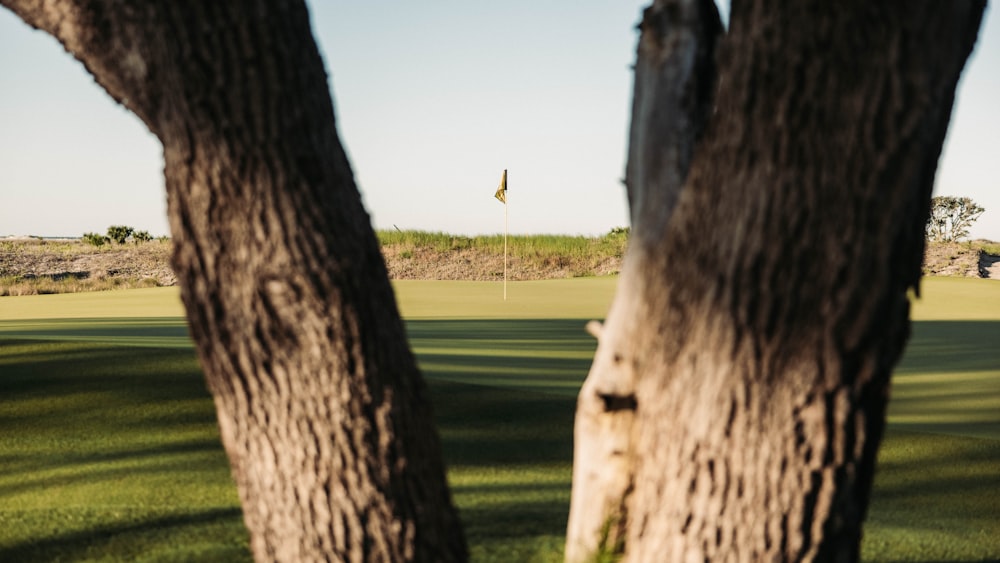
x: 738, y: 395
x: 322, y: 410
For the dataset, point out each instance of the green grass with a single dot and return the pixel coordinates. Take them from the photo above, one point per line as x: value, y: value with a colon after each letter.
x: 161, y: 302
x: 108, y: 453
x: 937, y: 490
x: 109, y: 449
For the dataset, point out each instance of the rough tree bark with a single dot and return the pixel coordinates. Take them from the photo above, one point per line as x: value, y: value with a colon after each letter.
x: 737, y: 398
x: 322, y: 410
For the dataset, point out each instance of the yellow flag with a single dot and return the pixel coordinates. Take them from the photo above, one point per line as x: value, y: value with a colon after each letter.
x: 502, y: 190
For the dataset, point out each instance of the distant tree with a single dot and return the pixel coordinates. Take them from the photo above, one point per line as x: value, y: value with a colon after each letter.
x: 95, y: 239
x: 120, y: 233
x: 141, y: 236
x: 951, y: 218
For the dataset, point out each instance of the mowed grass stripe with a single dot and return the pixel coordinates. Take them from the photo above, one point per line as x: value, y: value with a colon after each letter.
x: 170, y: 332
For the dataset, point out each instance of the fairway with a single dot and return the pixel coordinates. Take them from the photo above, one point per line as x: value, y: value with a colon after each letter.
x: 109, y: 449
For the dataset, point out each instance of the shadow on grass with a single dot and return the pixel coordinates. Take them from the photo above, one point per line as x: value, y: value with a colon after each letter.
x: 952, y: 346
x: 489, y: 426
x: 114, y: 376
x: 83, y: 414
x: 98, y: 444
x: 163, y: 531
x: 546, y: 355
x: 948, y: 381
x: 504, y: 394
x: 515, y: 522
x: 504, y: 391
x: 22, y: 474
x: 935, y: 498
x: 927, y: 469
x: 525, y: 335
x: 154, y: 332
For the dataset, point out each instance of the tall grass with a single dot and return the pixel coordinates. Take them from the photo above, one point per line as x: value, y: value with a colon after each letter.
x: 14, y: 286
x: 521, y: 246
x: 40, y: 246
x: 531, y: 256
x: 989, y: 247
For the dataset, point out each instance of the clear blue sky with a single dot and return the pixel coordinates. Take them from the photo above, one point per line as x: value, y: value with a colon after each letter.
x: 433, y: 101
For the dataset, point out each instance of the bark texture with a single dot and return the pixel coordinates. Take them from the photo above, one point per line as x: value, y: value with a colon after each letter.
x: 322, y: 410
x: 674, y: 82
x: 763, y: 302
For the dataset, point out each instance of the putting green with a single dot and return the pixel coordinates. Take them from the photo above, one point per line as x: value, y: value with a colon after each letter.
x: 581, y: 298
x: 578, y: 298
x: 156, y: 302
x: 957, y: 299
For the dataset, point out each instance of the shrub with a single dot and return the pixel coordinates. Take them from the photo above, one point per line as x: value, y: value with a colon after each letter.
x: 120, y: 233
x: 95, y: 239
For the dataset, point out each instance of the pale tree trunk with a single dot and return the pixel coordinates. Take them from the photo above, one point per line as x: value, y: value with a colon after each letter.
x: 737, y: 398
x: 322, y: 410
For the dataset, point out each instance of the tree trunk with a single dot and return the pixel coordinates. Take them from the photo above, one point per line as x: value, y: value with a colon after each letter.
x: 737, y: 398
x: 738, y: 394
x: 322, y: 410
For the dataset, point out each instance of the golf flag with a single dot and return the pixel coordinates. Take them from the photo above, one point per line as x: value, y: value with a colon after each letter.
x: 502, y: 190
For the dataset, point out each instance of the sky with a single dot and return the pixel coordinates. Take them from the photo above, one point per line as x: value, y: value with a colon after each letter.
x: 433, y: 102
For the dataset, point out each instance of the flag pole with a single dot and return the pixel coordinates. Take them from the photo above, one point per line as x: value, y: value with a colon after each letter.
x: 505, y: 242
x: 502, y: 196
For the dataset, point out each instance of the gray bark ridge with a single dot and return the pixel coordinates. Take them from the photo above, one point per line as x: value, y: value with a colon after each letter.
x: 322, y: 410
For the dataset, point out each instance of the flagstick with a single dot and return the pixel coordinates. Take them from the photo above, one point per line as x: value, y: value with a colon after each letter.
x: 502, y: 196
x: 505, y: 246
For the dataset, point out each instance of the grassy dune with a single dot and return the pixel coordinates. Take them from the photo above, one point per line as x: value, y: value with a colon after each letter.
x: 109, y: 449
